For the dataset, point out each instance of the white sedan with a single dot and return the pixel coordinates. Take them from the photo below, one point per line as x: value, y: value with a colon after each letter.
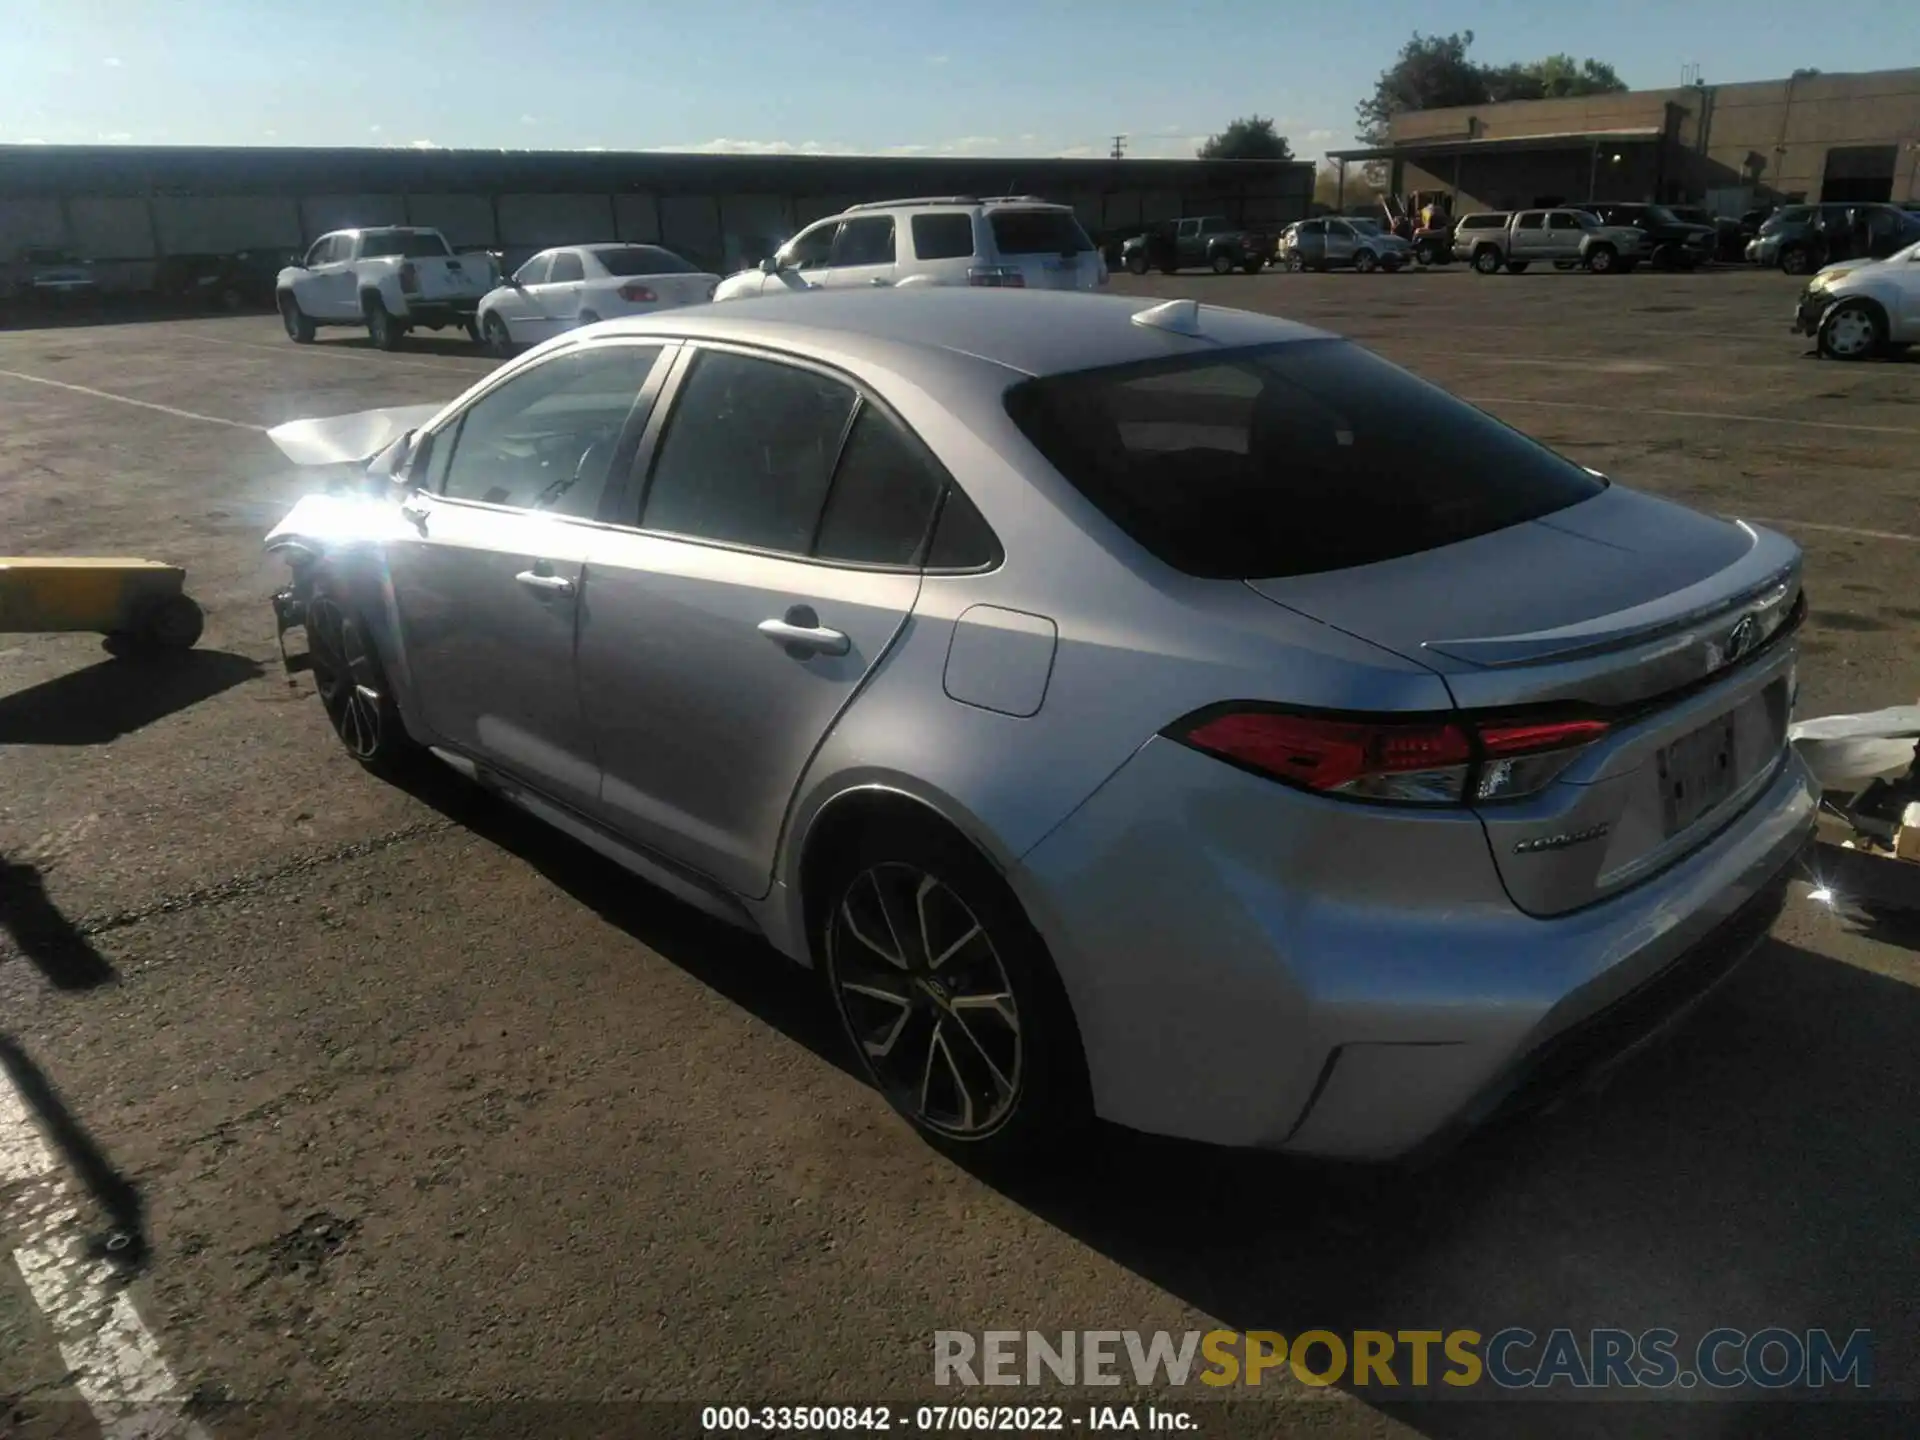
x: 578, y: 284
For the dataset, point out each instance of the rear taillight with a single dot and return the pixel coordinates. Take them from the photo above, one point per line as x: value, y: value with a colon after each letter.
x: 1009, y: 277
x: 637, y: 294
x: 1412, y: 761
x: 409, y: 279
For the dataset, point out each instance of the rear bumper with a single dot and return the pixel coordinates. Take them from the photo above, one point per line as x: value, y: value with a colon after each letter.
x: 455, y: 311
x: 1254, y: 966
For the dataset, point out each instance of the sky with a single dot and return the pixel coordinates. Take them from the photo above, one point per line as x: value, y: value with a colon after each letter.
x: 906, y: 77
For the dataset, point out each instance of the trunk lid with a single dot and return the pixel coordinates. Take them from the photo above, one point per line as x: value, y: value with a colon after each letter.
x: 1048, y: 246
x: 1663, y: 620
x: 677, y: 289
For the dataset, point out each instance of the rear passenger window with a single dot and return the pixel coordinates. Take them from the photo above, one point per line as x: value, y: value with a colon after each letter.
x: 962, y: 539
x: 1532, y: 222
x: 883, y: 497
x: 943, y: 237
x: 566, y: 266
x: 748, y: 453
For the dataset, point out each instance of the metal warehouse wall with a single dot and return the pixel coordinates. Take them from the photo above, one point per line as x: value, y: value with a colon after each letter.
x: 135, y: 205
x: 1727, y: 144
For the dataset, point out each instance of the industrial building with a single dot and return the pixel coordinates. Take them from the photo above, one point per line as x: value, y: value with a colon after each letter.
x: 1812, y: 137
x: 127, y: 208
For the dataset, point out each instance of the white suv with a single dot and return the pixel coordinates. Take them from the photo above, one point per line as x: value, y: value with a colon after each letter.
x: 1016, y: 241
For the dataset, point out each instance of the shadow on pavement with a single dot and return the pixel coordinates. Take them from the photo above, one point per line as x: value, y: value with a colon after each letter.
x: 46, y: 937
x: 449, y: 342
x: 1753, y: 1169
x: 740, y: 966
x: 118, y: 696
x: 124, y: 1238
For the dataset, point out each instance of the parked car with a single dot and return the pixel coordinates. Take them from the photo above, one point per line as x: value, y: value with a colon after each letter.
x: 223, y: 282
x: 1801, y: 239
x: 1858, y: 309
x: 1020, y: 663
x: 391, y: 280
x: 1336, y: 242
x: 1730, y: 241
x: 47, y: 275
x: 579, y: 284
x: 1210, y: 242
x: 1514, y: 240
x: 1003, y: 242
x: 1671, y: 243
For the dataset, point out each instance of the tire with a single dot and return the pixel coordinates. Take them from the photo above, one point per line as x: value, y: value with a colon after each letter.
x: 172, y: 622
x: 1796, y: 260
x: 353, y: 685
x: 1518, y: 267
x: 381, y: 326
x: 1601, y: 259
x: 1254, y: 266
x: 1137, y: 264
x: 496, y: 336
x: 472, y: 328
x: 1627, y: 267
x: 300, y: 328
x: 1222, y: 263
x: 1423, y: 255
x: 992, y: 1083
x: 1296, y: 262
x: 1852, y: 330
x: 1365, y: 261
x: 1487, y: 260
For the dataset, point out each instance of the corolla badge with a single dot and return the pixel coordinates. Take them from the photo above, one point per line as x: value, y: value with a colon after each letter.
x: 1563, y: 841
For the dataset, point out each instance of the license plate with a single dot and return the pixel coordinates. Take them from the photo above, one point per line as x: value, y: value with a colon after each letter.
x: 1697, y: 772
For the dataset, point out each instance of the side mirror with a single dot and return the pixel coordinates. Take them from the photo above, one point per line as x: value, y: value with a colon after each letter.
x: 395, y: 463
x: 770, y: 265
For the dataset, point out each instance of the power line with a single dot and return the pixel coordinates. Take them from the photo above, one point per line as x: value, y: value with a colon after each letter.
x: 1119, y: 148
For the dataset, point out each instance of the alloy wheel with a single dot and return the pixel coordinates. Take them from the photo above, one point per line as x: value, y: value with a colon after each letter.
x: 927, y: 998
x: 340, y: 661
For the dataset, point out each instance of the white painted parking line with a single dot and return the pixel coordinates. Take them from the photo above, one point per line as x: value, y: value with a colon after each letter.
x: 321, y: 352
x: 114, y: 1360
x: 129, y: 400
x: 1835, y: 529
x: 1691, y: 414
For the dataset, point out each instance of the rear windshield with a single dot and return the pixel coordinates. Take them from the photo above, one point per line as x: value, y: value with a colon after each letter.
x: 406, y: 244
x: 642, y: 260
x: 1794, y: 214
x: 1038, y: 232
x: 1288, y: 459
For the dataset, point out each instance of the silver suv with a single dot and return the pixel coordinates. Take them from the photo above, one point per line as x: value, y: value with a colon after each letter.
x: 1001, y: 242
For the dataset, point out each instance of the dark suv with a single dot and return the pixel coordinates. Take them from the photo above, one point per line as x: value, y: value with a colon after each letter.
x: 1802, y: 238
x: 1672, y: 243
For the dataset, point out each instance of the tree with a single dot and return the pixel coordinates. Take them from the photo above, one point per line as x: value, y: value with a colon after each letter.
x: 1360, y: 190
x: 1433, y: 72
x: 1251, y: 137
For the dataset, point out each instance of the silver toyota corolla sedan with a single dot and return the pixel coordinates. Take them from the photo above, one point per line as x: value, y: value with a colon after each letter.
x: 1157, y: 712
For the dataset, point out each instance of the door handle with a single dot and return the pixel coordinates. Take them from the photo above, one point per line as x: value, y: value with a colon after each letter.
x: 546, y: 584
x: 802, y: 634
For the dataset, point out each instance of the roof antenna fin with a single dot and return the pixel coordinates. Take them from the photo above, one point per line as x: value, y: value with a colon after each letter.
x: 1182, y: 317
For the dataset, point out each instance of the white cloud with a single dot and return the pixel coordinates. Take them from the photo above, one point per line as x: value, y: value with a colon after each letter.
x: 272, y: 134
x: 421, y: 145
x: 373, y: 129
x: 761, y: 147
x: 1319, y: 137
x: 31, y: 140
x: 112, y: 62
x: 116, y: 137
x: 529, y: 119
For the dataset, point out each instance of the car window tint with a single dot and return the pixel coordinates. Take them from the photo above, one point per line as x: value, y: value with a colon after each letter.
x: 864, y: 242
x: 1043, y: 232
x: 321, y: 252
x: 962, y: 539
x: 748, y: 453
x: 566, y: 266
x: 545, y: 439
x: 626, y: 260
x: 1562, y: 222
x: 943, y: 237
x: 1288, y: 459
x: 883, y: 495
x: 1532, y: 221
x: 534, y: 272
x: 810, y: 249
x: 401, y: 244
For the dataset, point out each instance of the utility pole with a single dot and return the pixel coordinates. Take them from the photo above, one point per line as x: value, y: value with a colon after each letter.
x: 1119, y: 148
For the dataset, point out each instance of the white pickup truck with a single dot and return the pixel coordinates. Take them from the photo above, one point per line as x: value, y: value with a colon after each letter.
x: 390, y: 279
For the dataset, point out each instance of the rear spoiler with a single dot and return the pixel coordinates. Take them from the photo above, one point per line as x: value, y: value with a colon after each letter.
x: 348, y: 439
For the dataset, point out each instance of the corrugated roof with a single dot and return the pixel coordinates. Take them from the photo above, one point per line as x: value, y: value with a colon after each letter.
x: 1465, y: 145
